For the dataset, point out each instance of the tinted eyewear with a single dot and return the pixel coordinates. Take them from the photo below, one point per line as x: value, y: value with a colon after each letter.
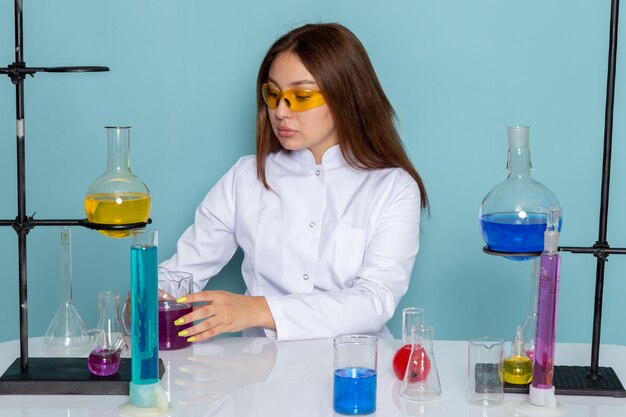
x: 296, y: 100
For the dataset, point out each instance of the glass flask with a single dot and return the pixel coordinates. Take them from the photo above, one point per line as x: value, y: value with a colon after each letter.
x: 421, y: 379
x: 104, y: 359
x: 110, y: 322
x: 411, y: 317
x: 117, y: 196
x: 513, y: 215
x: 65, y: 335
x: 518, y: 368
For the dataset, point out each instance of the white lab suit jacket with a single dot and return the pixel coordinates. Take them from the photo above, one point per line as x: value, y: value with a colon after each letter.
x: 330, y: 247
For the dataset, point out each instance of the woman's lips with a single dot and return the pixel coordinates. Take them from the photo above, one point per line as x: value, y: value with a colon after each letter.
x: 285, y: 132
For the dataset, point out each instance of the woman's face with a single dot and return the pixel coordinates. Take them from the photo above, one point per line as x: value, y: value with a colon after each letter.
x: 314, y: 128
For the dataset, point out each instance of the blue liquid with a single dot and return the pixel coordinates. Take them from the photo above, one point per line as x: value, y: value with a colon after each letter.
x: 145, y: 311
x: 507, y: 232
x: 355, y: 391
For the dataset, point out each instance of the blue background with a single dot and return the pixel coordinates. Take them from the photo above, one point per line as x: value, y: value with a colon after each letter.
x: 183, y: 76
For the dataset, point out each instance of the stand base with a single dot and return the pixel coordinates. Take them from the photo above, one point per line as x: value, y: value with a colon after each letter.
x: 65, y: 376
x: 574, y: 380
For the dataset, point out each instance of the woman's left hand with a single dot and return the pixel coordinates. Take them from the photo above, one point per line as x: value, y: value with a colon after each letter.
x: 224, y: 312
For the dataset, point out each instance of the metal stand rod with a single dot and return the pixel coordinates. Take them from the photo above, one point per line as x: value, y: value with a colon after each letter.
x: 604, y: 194
x: 22, y: 223
x: 21, y: 181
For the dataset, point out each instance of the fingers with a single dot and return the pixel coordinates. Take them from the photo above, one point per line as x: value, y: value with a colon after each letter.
x: 200, y: 297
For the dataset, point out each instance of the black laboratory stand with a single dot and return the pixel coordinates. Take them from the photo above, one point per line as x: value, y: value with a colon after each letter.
x: 47, y: 375
x: 592, y: 380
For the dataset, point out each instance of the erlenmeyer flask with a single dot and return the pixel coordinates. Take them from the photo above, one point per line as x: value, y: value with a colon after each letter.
x: 66, y: 333
x: 110, y: 321
x: 117, y: 196
x: 411, y: 317
x: 513, y: 215
x: 421, y: 380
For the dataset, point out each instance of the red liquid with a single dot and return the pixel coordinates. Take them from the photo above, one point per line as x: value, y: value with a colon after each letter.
x: 168, y: 332
x: 104, y: 361
x: 420, y: 363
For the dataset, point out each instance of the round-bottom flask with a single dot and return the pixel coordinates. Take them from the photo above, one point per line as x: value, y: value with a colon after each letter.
x: 513, y: 215
x: 117, y: 196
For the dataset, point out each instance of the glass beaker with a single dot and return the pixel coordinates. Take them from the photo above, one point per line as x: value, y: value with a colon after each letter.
x: 65, y: 335
x: 421, y: 380
x: 484, y: 372
x: 411, y: 317
x: 354, y: 383
x: 513, y: 215
x: 117, y: 196
x: 173, y: 285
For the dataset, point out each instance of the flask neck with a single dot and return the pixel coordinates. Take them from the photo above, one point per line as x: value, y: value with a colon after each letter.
x: 66, y: 266
x: 109, y: 303
x: 518, y: 164
x: 118, y: 159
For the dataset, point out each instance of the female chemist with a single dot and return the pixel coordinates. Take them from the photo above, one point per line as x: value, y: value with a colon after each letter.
x: 328, y: 212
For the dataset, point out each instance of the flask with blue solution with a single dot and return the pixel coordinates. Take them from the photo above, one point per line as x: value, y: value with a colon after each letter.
x: 513, y: 215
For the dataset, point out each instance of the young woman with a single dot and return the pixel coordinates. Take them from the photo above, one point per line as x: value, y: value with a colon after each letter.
x: 328, y: 212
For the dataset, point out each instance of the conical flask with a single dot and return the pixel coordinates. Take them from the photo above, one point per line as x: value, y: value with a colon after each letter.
x: 421, y: 380
x: 66, y: 333
x: 513, y: 215
x: 117, y: 196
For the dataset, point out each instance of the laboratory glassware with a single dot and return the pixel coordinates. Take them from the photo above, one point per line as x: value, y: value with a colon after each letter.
x: 542, y: 388
x: 144, y: 318
x: 355, y: 366
x: 529, y: 326
x: 173, y: 285
x: 65, y: 335
x: 421, y: 380
x: 513, y: 214
x: 117, y: 196
x: 485, y: 361
x: 104, y: 359
x: 110, y: 320
x: 518, y: 368
x: 411, y: 317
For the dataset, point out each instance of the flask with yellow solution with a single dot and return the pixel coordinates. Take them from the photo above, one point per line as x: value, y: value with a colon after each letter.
x: 518, y: 368
x: 117, y: 196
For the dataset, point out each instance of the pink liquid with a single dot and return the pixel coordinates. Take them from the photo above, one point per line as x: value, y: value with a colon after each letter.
x: 104, y: 361
x: 169, y: 312
x: 543, y: 361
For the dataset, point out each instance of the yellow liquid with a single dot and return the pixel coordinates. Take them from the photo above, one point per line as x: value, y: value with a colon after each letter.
x: 121, y: 208
x: 518, y: 370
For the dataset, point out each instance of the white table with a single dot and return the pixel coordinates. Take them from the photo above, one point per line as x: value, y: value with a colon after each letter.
x: 255, y: 377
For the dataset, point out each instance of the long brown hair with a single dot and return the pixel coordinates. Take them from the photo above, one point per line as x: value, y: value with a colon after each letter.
x: 363, y: 116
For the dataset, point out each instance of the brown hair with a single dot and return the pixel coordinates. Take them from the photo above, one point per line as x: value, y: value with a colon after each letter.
x: 363, y: 116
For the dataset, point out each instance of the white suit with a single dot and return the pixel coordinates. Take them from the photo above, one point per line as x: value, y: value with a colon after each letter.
x: 330, y: 247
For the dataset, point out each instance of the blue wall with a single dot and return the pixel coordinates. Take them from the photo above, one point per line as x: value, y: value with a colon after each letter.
x: 183, y: 76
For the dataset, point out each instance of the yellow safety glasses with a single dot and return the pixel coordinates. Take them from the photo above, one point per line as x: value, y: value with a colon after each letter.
x: 296, y: 100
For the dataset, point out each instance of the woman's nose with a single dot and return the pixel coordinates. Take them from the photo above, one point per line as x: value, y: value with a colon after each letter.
x: 283, y: 110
